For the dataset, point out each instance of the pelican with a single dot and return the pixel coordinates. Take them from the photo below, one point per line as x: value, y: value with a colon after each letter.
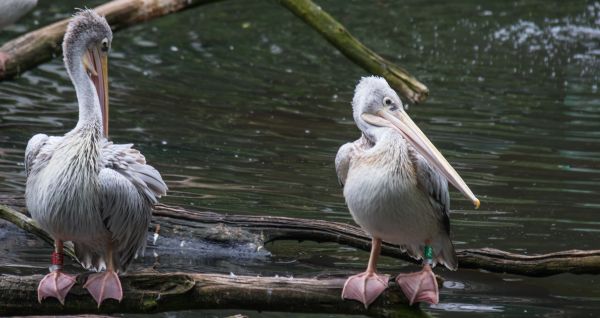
x: 10, y: 12
x: 83, y: 188
x: 13, y: 10
x: 395, y: 186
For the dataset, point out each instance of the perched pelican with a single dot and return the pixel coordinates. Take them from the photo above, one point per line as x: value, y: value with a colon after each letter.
x: 395, y: 187
x: 82, y: 187
x: 13, y: 10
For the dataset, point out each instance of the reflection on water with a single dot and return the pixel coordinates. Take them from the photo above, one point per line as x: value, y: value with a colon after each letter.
x: 244, y: 117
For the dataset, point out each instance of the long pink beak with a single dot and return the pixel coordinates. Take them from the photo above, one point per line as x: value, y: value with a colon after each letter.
x: 96, y: 64
x: 401, y: 121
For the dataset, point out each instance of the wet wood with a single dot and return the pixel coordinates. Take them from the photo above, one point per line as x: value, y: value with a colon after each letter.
x: 160, y: 292
x: 353, y: 49
x: 264, y: 229
x: 41, y: 45
x: 38, y: 46
x: 537, y: 265
x: 260, y: 230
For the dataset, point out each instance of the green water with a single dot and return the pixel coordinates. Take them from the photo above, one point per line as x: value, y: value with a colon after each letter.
x: 242, y: 108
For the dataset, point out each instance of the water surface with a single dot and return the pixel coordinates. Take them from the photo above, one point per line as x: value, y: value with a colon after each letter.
x: 242, y: 107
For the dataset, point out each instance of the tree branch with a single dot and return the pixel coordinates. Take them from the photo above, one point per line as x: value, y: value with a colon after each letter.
x: 357, y: 52
x: 183, y: 223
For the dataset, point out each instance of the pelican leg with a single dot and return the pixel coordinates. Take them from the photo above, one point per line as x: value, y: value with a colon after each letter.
x: 366, y: 287
x: 106, y: 284
x: 420, y: 286
x: 3, y: 59
x: 56, y: 284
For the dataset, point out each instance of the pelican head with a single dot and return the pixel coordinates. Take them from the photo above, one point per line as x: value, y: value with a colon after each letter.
x: 85, y: 48
x: 376, y: 106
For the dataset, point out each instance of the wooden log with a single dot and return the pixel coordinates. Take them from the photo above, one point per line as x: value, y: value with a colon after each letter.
x: 339, y: 37
x: 259, y: 230
x: 159, y: 292
x: 536, y: 265
x: 264, y: 229
x: 38, y: 46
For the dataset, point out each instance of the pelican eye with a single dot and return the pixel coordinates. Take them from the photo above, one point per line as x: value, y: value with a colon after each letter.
x: 389, y: 102
x: 104, y: 45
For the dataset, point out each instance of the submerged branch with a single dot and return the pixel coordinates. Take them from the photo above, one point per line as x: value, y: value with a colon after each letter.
x: 271, y: 228
x: 183, y: 223
x: 159, y: 292
x: 357, y: 52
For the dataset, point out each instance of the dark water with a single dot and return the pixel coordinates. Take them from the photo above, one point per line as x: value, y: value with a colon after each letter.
x: 242, y: 108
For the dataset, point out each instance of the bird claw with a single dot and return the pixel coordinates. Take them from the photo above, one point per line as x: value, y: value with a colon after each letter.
x: 103, y: 286
x: 420, y: 286
x: 56, y: 284
x: 365, y: 287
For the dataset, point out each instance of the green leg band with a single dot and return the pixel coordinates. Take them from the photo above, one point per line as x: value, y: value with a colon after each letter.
x: 428, y: 255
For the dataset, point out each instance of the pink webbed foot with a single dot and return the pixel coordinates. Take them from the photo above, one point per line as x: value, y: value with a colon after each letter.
x: 420, y: 286
x: 365, y: 287
x: 56, y: 284
x: 103, y: 286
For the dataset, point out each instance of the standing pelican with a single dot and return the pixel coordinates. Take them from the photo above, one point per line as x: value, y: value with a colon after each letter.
x: 82, y: 187
x: 396, y: 190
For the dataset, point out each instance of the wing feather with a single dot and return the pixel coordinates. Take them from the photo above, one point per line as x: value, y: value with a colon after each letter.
x: 34, y: 146
x: 435, y: 185
x: 344, y: 156
x: 342, y: 162
x: 40, y: 149
x: 126, y: 215
x: 130, y: 188
x: 130, y: 163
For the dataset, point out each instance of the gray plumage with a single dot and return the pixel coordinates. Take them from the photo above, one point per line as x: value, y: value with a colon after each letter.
x: 82, y: 187
x: 391, y: 191
x: 13, y: 10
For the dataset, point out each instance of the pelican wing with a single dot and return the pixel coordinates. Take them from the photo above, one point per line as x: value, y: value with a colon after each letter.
x: 39, y: 151
x: 34, y: 146
x: 345, y: 154
x: 342, y: 161
x: 126, y: 215
x: 129, y: 188
x: 435, y: 185
x: 132, y: 165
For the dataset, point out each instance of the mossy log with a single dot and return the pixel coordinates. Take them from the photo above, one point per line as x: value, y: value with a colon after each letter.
x: 38, y: 46
x: 160, y: 292
x: 184, y: 223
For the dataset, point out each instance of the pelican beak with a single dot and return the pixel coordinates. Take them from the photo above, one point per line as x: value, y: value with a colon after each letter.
x: 96, y: 65
x: 401, y: 121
